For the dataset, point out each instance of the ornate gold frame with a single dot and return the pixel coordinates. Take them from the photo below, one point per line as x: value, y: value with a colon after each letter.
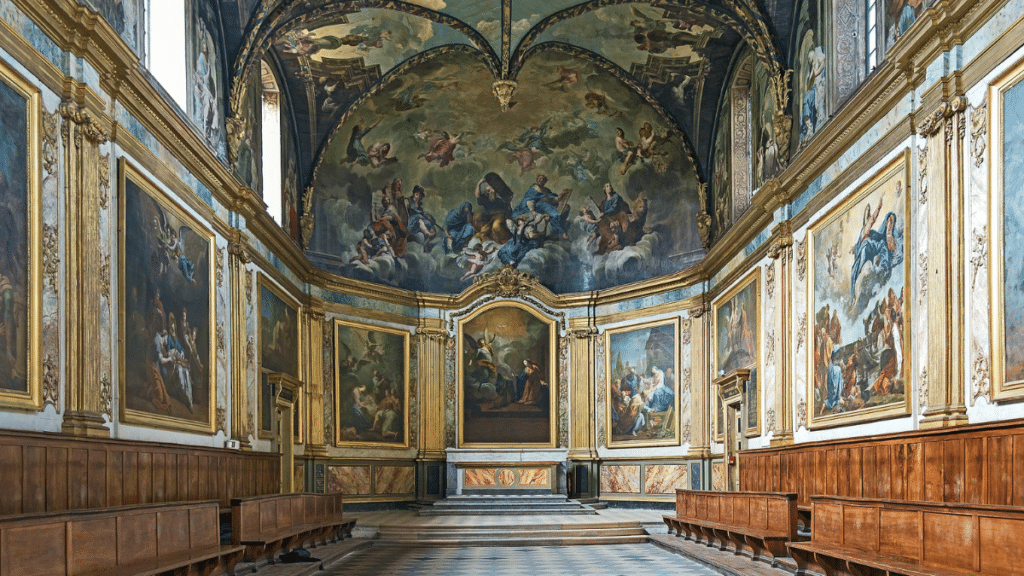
x: 552, y: 375
x: 262, y: 279
x: 32, y: 398
x: 900, y: 164
x: 752, y: 277
x: 128, y: 172
x: 674, y: 441
x: 406, y: 419
x: 1001, y: 389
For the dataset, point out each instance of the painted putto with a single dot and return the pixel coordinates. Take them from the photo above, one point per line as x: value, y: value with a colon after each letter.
x: 564, y: 185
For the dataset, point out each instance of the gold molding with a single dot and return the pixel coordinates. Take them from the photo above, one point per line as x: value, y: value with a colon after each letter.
x: 552, y: 375
x: 127, y: 171
x: 1001, y: 389
x: 901, y: 163
x: 32, y: 397
x: 406, y: 416
x: 676, y: 353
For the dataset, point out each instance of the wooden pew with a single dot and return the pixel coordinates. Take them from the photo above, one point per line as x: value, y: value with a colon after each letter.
x: 755, y: 524
x: 267, y: 525
x: 126, y: 540
x: 872, y: 536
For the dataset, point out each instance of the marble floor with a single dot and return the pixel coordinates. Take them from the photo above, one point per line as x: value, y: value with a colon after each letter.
x: 613, y: 560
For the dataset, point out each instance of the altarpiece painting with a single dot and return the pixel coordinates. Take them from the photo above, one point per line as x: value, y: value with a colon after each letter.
x: 643, y: 406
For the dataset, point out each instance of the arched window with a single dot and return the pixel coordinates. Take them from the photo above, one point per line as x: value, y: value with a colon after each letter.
x: 272, y: 145
x: 165, y: 28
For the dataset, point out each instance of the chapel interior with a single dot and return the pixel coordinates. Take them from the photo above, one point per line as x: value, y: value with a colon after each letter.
x: 361, y: 286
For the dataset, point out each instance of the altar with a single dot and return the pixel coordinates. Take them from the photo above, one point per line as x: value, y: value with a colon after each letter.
x: 506, y: 471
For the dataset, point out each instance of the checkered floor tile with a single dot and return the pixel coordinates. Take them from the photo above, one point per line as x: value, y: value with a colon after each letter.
x: 612, y: 560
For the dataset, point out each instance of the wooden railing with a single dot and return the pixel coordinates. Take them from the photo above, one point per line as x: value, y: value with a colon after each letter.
x: 864, y: 535
x: 125, y: 540
x: 53, y: 472
x: 977, y: 464
x: 756, y: 524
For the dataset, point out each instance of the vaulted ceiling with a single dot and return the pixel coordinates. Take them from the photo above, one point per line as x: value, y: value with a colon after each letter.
x: 416, y: 70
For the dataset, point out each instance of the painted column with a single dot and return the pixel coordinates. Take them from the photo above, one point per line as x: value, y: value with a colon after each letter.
x: 780, y: 408
x: 581, y: 394
x: 944, y: 186
x: 701, y: 397
x: 241, y: 420
x: 314, y: 405
x: 430, y: 344
x: 82, y: 137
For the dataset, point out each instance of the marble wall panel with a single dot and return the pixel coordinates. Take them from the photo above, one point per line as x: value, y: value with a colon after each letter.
x: 620, y: 479
x: 665, y: 478
x: 535, y: 477
x: 394, y: 480
x: 479, y: 477
x: 353, y: 480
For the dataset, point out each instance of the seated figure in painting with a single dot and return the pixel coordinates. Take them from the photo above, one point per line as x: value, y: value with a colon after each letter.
x: 495, y: 200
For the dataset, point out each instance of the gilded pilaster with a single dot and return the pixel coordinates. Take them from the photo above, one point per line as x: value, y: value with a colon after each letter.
x: 240, y: 418
x: 945, y: 130
x: 700, y: 384
x: 780, y: 408
x: 314, y: 405
x: 82, y: 137
x: 430, y: 344
x: 582, y: 440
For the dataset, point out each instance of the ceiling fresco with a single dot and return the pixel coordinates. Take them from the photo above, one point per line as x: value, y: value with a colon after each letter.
x: 453, y: 87
x: 556, y: 184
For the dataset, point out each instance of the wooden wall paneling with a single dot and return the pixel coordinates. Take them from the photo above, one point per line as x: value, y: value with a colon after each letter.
x: 56, y: 479
x: 831, y: 474
x: 868, y: 476
x: 898, y: 472
x: 953, y: 471
x: 998, y: 464
x: 933, y: 460
x: 97, y: 478
x: 130, y: 480
x: 915, y: 471
x: 145, y: 477
x: 78, y: 469
x: 1017, y: 473
x: 34, y: 492
x: 115, y: 478
x: 883, y: 469
x: 974, y: 471
x: 159, y: 477
x: 11, y: 477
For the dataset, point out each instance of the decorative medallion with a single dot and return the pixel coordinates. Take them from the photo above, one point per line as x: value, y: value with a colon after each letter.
x: 508, y: 282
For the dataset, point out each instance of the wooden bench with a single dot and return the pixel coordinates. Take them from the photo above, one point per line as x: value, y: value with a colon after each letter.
x: 874, y: 536
x: 267, y: 525
x: 127, y: 540
x: 755, y: 524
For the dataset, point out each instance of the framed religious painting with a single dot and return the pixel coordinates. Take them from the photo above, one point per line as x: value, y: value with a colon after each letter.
x: 858, y: 305
x: 371, y: 386
x: 507, y: 377
x: 736, y: 322
x: 20, y: 275
x: 1006, y: 221
x: 20, y: 258
x: 279, y: 333
x: 167, y: 316
x: 642, y: 362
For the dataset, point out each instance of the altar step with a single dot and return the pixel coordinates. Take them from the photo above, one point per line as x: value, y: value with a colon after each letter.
x: 534, y: 504
x: 514, y: 535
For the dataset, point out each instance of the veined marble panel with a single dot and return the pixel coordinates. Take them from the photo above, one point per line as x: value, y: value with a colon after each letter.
x: 394, y: 480
x: 664, y: 478
x: 620, y: 479
x: 349, y: 480
x: 479, y: 477
x: 535, y: 477
x: 718, y: 476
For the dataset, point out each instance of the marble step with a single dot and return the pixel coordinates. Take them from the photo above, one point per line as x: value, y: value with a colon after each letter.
x: 521, y: 541
x: 505, y: 510
x: 504, y: 531
x: 511, y: 499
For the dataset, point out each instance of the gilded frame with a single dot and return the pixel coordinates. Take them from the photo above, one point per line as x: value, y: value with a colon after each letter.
x: 32, y: 397
x: 752, y: 278
x: 262, y: 280
x: 406, y: 357
x: 899, y: 165
x: 126, y: 172
x: 609, y: 334
x: 552, y: 374
x: 1002, y: 390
